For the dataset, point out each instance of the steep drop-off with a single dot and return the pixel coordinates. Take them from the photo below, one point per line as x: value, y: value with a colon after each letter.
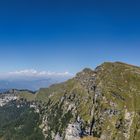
x: 103, y: 103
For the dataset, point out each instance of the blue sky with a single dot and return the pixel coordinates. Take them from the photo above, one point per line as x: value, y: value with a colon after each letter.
x: 68, y: 35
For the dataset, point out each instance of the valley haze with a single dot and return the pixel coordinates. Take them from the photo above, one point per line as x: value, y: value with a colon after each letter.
x: 31, y: 79
x: 69, y: 69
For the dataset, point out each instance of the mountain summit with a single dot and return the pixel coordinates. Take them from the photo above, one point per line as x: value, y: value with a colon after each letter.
x: 101, y: 103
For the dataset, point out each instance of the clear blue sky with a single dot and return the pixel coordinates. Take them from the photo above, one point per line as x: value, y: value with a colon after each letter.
x: 68, y: 35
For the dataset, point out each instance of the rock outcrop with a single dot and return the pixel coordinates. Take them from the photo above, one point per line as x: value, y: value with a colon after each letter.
x: 103, y: 103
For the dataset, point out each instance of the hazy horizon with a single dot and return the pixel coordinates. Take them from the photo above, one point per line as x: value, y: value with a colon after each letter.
x: 60, y: 38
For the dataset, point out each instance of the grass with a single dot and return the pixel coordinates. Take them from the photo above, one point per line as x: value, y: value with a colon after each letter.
x: 90, y: 138
x: 27, y: 95
x: 118, y: 83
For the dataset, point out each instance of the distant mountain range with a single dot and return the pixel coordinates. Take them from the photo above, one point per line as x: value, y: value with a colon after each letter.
x: 32, y: 84
x: 3, y: 90
x: 100, y: 104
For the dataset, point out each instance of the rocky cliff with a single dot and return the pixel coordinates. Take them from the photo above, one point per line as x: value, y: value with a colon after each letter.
x: 102, y: 103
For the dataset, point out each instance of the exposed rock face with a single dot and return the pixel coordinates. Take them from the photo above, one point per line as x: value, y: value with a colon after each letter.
x: 6, y: 98
x: 57, y: 137
x: 73, y: 132
x: 104, y: 103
